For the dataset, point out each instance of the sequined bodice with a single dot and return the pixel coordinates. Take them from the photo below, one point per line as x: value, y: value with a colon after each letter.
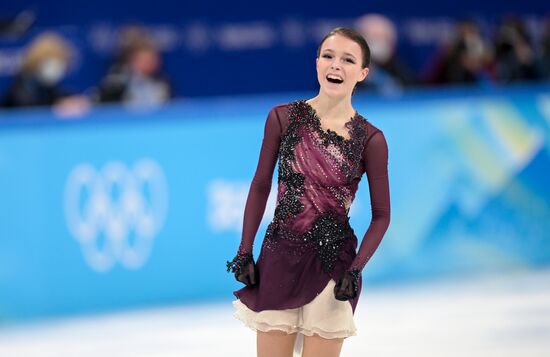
x: 319, y: 172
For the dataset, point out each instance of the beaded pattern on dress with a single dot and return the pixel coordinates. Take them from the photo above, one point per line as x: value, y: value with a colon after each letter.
x: 329, y: 230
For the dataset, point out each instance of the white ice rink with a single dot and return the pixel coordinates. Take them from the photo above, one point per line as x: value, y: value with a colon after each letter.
x: 503, y: 315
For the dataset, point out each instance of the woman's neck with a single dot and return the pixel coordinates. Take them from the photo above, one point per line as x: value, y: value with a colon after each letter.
x: 332, y: 108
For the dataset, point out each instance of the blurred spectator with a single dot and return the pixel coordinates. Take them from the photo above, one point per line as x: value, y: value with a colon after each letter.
x: 130, y: 38
x: 467, y: 59
x: 135, y: 77
x: 387, y: 72
x: 44, y: 65
x: 515, y: 56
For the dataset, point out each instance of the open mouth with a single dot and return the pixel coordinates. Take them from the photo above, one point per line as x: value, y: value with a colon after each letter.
x: 334, y: 79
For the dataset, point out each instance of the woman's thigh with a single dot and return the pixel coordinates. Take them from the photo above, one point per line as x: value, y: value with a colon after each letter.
x: 317, y: 346
x: 275, y: 343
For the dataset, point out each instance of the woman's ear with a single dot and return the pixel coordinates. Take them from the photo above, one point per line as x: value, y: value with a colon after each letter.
x: 364, y: 73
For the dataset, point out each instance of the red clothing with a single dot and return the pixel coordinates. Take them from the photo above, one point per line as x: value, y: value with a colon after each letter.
x: 309, y: 240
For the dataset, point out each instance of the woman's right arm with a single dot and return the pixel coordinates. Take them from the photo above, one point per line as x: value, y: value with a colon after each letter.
x: 243, y: 265
x: 261, y: 183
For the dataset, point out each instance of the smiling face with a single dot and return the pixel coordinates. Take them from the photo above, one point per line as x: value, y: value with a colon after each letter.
x: 340, y: 66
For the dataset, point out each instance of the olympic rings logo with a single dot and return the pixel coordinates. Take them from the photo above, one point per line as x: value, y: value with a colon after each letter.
x: 115, y: 213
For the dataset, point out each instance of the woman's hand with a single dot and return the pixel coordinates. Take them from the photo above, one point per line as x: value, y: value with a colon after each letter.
x: 347, y: 285
x: 244, y: 268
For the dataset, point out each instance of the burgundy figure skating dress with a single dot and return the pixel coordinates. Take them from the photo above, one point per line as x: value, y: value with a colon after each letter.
x: 310, y: 241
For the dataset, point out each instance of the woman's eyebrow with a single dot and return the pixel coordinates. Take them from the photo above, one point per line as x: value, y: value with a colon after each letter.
x: 345, y: 53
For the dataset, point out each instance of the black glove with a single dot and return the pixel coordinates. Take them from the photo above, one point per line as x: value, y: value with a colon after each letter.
x: 244, y: 269
x: 347, y: 285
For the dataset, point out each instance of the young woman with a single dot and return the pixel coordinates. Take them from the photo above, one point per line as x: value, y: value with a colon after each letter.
x: 307, y: 279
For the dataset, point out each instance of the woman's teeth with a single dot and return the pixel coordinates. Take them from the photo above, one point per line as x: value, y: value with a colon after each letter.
x: 334, y: 79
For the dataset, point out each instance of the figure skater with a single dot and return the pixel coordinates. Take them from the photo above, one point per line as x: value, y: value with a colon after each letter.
x: 307, y: 278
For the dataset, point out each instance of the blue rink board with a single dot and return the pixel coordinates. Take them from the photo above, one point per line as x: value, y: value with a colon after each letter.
x: 124, y: 208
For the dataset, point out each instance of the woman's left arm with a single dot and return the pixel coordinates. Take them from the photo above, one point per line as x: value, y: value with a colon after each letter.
x: 375, y: 158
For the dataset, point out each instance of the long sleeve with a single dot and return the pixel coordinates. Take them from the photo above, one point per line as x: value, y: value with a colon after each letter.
x: 375, y: 158
x: 261, y: 183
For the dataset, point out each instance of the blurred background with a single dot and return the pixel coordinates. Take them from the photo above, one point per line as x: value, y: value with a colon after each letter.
x: 130, y: 131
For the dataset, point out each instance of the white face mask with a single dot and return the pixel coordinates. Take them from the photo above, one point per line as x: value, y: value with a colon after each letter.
x: 51, y: 71
x: 380, y: 51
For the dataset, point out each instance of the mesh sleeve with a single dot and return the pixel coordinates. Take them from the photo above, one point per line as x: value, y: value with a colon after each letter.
x: 261, y: 183
x: 375, y: 157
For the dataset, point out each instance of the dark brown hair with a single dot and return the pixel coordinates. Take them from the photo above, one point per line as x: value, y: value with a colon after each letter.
x: 355, y: 37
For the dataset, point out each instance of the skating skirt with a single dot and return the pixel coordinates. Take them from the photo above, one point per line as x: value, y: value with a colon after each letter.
x: 324, y: 315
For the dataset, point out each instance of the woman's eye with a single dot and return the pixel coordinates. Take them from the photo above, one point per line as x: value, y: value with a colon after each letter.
x: 327, y: 56
x: 350, y: 60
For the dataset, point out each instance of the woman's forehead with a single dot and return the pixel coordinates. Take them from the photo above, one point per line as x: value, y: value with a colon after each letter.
x: 341, y: 44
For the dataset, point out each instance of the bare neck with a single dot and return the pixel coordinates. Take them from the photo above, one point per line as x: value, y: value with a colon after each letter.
x: 330, y: 108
